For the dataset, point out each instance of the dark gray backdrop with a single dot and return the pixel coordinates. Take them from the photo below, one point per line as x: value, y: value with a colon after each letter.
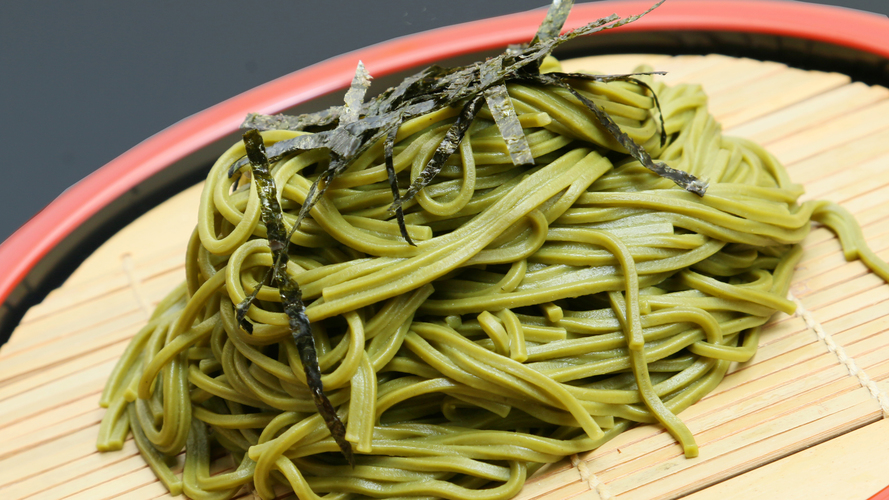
x: 82, y: 82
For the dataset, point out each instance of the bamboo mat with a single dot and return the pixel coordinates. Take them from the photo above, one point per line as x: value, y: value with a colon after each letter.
x: 803, y: 419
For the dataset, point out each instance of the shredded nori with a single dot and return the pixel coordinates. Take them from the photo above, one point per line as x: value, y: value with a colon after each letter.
x: 289, y: 122
x: 444, y: 151
x: 351, y: 129
x: 629, y: 77
x: 508, y: 124
x: 291, y: 296
x: 683, y: 179
x: 555, y: 19
x: 388, y: 148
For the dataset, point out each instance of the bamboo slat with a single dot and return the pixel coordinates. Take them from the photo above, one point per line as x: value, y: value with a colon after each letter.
x: 804, y: 418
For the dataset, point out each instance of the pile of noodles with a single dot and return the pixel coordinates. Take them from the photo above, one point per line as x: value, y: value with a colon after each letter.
x: 545, y: 309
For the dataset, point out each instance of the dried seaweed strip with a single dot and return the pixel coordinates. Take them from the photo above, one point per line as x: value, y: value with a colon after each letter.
x: 555, y: 19
x: 388, y: 149
x: 588, y: 29
x: 606, y: 78
x: 338, y: 164
x: 289, y: 146
x: 332, y: 114
x: 342, y: 142
x: 508, y: 123
x: 489, y: 71
x: 657, y: 106
x: 409, y: 88
x: 307, y: 204
x: 386, y: 120
x: 270, y: 212
x: 526, y: 60
x: 305, y: 345
x: 536, y: 52
x: 355, y: 95
x: 447, y: 147
x: 345, y: 140
x: 460, y: 84
x: 434, y: 84
x: 628, y: 77
x: 373, y: 123
x: 291, y: 296
x: 289, y: 122
x: 683, y: 179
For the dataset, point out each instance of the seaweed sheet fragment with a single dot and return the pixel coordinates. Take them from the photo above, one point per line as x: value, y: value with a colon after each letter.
x: 349, y: 130
x: 291, y: 296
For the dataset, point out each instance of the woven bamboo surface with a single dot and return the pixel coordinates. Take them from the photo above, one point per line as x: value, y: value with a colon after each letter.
x: 803, y: 419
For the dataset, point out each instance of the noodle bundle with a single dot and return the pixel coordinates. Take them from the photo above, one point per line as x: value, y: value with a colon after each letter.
x: 544, y: 308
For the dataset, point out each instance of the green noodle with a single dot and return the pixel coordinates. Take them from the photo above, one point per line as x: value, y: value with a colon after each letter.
x: 543, y: 310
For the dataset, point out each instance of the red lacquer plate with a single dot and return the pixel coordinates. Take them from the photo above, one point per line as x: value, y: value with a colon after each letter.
x: 43, y: 246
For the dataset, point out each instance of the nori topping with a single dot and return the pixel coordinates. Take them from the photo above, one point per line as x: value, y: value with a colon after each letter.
x: 682, y: 179
x: 291, y: 296
x: 358, y: 125
x: 448, y: 145
x: 288, y: 122
x: 629, y: 77
x: 555, y: 18
x: 388, y: 148
x: 508, y: 123
x: 434, y: 88
x: 657, y: 106
x: 489, y: 71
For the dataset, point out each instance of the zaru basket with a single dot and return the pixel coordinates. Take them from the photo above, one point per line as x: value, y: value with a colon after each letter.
x: 805, y: 418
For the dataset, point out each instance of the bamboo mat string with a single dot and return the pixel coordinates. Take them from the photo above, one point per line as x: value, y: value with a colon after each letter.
x: 587, y: 476
x: 841, y: 355
x: 129, y: 269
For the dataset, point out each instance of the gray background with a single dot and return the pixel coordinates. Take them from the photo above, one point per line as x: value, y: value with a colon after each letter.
x: 82, y: 82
